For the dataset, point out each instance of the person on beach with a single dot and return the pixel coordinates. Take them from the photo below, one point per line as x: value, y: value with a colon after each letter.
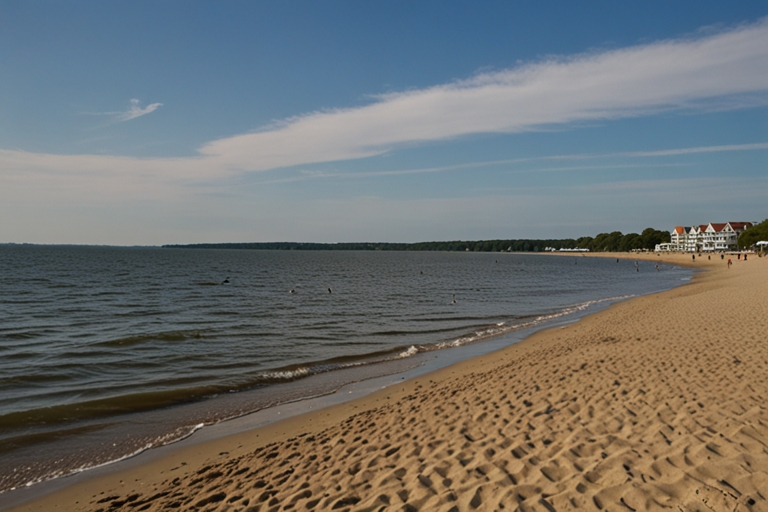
x: 729, y: 262
x: 693, y: 257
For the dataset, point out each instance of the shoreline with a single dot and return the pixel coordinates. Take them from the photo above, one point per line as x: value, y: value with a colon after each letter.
x: 422, y: 363
x: 537, y: 350
x: 39, y: 464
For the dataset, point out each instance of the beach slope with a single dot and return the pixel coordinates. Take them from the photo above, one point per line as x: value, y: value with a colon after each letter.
x: 657, y: 402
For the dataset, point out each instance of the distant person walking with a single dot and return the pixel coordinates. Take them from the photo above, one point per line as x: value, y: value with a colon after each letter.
x: 729, y: 262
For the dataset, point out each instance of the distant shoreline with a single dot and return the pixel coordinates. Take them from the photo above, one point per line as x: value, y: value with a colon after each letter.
x: 523, y: 245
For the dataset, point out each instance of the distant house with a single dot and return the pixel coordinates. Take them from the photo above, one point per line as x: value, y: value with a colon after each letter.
x: 678, y: 236
x: 710, y: 237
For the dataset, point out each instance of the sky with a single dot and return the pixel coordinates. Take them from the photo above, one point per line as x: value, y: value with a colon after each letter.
x: 183, y: 121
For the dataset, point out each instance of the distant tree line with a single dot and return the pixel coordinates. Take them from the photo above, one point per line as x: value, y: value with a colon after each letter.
x: 610, y: 242
x: 752, y: 235
x: 616, y: 241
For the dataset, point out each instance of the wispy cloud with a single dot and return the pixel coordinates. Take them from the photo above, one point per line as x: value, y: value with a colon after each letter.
x: 642, y: 80
x: 701, y: 149
x: 134, y: 111
x: 314, y: 175
x: 562, y: 92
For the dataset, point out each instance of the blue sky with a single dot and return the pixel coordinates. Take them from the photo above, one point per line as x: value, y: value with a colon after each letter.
x: 143, y: 123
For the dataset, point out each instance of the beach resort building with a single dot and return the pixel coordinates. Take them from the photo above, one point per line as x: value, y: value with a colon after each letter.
x: 710, y: 237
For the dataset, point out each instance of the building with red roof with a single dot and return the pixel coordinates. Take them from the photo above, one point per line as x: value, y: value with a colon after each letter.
x: 712, y: 237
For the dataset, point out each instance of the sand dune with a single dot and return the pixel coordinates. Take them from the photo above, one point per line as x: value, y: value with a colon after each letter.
x: 656, y: 403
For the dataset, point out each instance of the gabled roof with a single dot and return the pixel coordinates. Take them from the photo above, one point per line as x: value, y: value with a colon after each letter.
x: 681, y: 229
x: 718, y: 227
x: 740, y: 226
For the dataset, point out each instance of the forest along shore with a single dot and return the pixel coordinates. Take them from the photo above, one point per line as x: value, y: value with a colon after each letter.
x: 656, y: 401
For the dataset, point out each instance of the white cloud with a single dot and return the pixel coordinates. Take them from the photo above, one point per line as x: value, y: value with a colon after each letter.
x: 683, y: 73
x: 135, y: 111
x: 703, y: 149
x: 627, y: 82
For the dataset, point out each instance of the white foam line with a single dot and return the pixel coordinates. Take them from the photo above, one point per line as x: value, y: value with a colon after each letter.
x: 60, y: 474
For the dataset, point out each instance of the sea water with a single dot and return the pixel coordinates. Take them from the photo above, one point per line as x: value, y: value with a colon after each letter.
x: 106, y: 351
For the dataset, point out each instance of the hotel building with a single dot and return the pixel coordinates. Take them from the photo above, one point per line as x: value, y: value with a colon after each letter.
x: 705, y: 238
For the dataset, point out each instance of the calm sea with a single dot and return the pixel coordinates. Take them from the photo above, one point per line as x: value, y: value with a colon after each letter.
x: 105, y: 352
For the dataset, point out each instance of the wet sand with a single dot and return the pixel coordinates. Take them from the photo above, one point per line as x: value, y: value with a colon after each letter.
x: 656, y: 402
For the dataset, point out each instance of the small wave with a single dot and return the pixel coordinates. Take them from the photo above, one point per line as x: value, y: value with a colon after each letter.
x: 104, y: 407
x: 171, y: 336
x: 67, y: 472
x: 480, y: 334
x: 501, y: 328
x: 285, y: 375
x: 172, y: 437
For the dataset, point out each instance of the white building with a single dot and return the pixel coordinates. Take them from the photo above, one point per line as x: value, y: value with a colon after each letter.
x: 705, y: 238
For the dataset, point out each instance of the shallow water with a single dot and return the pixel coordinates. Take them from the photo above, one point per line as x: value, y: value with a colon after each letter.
x: 107, y: 351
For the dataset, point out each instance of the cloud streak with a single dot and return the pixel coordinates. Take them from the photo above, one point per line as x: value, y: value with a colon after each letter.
x: 635, y: 81
x: 629, y: 82
x: 135, y: 111
x: 702, y: 149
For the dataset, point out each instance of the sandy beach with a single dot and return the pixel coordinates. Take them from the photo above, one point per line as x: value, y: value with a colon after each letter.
x: 656, y: 402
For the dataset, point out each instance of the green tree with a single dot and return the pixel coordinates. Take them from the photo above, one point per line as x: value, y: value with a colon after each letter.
x: 584, y: 242
x: 652, y: 237
x: 753, y: 235
x: 629, y: 242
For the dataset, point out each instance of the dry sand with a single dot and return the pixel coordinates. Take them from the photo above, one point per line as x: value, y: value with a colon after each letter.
x: 657, y: 402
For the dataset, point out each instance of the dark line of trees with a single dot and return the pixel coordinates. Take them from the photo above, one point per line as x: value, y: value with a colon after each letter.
x: 616, y: 241
x: 752, y: 235
x: 611, y: 242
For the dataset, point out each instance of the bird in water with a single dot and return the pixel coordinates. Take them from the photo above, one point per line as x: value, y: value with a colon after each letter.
x: 292, y: 291
x: 453, y: 301
x: 329, y: 290
x: 226, y: 281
